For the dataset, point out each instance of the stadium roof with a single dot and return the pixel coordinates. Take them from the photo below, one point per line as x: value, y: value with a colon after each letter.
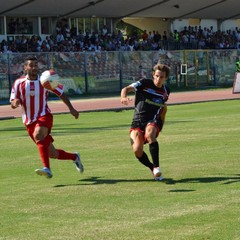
x: 204, y: 9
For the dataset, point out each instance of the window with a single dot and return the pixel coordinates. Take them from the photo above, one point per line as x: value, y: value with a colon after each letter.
x: 101, y: 23
x: 45, y: 23
x: 109, y: 24
x: 24, y: 25
x: 1, y: 25
x: 94, y: 24
x: 88, y: 25
x: 81, y: 25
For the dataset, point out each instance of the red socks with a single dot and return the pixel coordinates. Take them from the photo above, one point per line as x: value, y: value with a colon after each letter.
x: 43, y: 146
x: 62, y: 155
x: 43, y: 151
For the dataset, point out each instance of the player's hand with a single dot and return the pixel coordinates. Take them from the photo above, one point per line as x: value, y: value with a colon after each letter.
x: 75, y: 113
x: 15, y: 103
x: 125, y: 100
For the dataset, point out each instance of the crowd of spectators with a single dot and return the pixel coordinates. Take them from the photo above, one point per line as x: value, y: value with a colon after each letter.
x: 68, y: 40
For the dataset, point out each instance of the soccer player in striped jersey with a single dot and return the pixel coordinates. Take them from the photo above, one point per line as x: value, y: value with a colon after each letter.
x: 28, y: 93
x: 151, y: 96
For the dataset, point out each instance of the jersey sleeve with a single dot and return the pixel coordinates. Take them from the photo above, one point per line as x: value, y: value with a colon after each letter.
x: 137, y: 85
x: 58, y: 90
x: 15, y: 91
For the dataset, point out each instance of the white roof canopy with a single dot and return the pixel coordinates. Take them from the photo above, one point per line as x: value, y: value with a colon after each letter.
x: 177, y: 9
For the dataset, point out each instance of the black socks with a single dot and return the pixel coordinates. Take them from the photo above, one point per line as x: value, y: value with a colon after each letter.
x: 154, y: 150
x: 145, y: 161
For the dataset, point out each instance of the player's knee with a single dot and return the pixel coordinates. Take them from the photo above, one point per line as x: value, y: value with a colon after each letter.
x: 53, y: 153
x: 38, y: 137
x: 150, y: 138
x: 138, y: 154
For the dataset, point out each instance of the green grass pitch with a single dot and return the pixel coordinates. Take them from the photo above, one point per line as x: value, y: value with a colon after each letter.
x: 116, y: 198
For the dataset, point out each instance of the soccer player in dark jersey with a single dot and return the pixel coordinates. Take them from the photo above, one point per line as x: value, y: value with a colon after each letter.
x: 151, y: 96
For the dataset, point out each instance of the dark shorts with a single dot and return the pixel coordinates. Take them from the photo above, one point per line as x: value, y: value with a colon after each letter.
x: 139, y: 126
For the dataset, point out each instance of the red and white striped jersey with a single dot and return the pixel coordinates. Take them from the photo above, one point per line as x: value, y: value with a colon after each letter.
x: 33, y: 97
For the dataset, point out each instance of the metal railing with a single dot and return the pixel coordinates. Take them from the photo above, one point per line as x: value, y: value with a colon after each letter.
x: 108, y: 72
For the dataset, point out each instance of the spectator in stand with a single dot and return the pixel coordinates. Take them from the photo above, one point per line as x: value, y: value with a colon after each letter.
x: 59, y: 37
x: 33, y: 44
x: 93, y: 38
x: 151, y: 34
x: 205, y: 33
x: 176, y: 37
x: 201, y: 43
x: 73, y: 32
x: 86, y: 37
x: 191, y: 37
x: 237, y: 64
x: 144, y: 35
x: 45, y: 47
x: 185, y: 40
x: 165, y: 40
x: 157, y: 37
x: 119, y: 35
x: 104, y: 31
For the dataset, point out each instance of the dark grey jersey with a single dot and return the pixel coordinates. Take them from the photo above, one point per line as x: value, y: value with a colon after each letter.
x: 149, y: 100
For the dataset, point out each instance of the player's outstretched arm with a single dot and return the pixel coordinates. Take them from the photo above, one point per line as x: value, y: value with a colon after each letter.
x: 124, y: 98
x: 72, y: 110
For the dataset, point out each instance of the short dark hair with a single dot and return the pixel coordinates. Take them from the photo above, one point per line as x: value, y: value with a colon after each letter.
x: 30, y: 58
x: 163, y: 68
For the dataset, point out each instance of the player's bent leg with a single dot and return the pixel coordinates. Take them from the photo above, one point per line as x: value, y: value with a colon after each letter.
x: 53, y: 153
x: 43, y: 146
x: 137, y: 142
x: 151, y: 136
x: 63, y: 155
x: 40, y: 132
x: 39, y: 136
x: 151, y: 133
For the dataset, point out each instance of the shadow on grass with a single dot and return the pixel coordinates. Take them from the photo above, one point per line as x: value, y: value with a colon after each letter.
x: 14, y: 129
x: 170, y: 181
x: 225, y: 180
x: 181, y: 190
x: 180, y: 121
x: 99, y: 180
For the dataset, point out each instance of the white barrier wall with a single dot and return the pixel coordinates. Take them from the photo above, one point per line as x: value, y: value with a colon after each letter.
x: 230, y: 24
x: 179, y: 24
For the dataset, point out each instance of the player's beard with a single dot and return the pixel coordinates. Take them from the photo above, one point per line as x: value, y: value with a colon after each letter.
x: 33, y: 74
